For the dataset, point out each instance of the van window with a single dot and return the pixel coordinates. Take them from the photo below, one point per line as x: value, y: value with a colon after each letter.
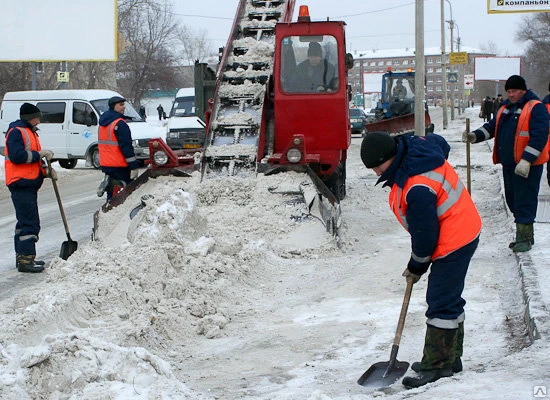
x: 83, y: 114
x: 130, y: 113
x: 52, y: 113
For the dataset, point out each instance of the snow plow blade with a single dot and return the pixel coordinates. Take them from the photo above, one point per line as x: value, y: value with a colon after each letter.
x: 320, y: 201
x: 399, y: 125
x: 121, y: 196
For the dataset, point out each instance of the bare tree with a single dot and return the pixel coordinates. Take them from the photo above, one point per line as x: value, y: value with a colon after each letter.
x: 535, y: 31
x: 195, y: 44
x: 149, y: 27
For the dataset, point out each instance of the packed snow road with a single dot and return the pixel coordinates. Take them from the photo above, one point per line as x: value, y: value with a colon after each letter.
x: 217, y: 291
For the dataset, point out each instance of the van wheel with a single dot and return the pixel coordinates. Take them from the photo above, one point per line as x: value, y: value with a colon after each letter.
x: 68, y: 164
x: 95, y: 158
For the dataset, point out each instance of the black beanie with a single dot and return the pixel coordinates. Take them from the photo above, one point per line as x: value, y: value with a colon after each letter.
x: 377, y: 148
x: 314, y: 50
x: 515, y: 82
x: 29, y: 111
x: 115, y: 100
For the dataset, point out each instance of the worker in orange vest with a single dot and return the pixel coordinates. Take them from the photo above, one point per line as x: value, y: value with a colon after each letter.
x: 25, y: 174
x: 116, y: 153
x: 433, y: 205
x: 520, y: 129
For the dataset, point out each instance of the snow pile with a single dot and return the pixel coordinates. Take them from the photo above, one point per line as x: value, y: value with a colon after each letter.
x: 170, y: 272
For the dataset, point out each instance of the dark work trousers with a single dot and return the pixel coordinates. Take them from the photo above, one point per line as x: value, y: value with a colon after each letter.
x: 27, y: 228
x: 522, y: 193
x: 445, y: 286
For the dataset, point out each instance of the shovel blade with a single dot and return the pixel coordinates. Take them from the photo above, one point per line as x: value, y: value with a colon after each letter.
x: 68, y: 247
x: 383, y: 374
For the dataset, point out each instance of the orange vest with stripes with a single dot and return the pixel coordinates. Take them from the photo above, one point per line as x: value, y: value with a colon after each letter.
x: 459, y: 221
x: 32, y: 170
x: 522, y: 135
x: 109, y: 152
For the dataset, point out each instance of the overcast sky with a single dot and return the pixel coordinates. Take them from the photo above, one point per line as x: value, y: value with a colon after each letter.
x: 377, y: 25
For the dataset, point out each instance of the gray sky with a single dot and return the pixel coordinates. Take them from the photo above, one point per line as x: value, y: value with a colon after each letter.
x: 377, y: 25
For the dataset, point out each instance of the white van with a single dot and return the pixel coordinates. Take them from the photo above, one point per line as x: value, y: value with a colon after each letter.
x: 185, y: 130
x: 69, y: 123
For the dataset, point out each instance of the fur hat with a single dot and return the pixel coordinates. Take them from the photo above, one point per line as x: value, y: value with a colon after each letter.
x: 115, y: 100
x: 515, y: 82
x: 29, y: 111
x: 314, y: 50
x: 377, y: 148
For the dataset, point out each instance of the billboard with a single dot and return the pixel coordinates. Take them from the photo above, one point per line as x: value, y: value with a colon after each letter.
x: 58, y: 30
x: 496, y: 68
x: 372, y: 82
x: 517, y: 6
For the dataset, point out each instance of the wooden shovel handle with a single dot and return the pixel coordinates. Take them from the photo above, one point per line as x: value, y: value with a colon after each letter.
x: 54, y: 183
x: 403, y: 314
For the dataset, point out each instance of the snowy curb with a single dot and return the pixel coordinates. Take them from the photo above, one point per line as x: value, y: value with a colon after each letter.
x: 536, y: 313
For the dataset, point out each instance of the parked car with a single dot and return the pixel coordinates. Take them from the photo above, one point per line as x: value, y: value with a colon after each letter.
x: 358, y: 120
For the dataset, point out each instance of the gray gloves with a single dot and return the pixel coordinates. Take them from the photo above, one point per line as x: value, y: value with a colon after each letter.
x: 469, y: 137
x: 47, y: 154
x: 50, y: 173
x: 523, y: 167
x: 410, y: 276
x: 134, y: 173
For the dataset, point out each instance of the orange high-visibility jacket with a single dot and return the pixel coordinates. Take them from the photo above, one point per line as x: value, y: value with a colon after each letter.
x: 459, y: 221
x: 109, y: 152
x: 29, y: 170
x: 522, y: 136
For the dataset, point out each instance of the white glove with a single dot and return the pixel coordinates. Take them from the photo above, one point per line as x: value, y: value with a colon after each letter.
x: 50, y: 173
x: 523, y: 167
x: 134, y: 174
x: 47, y: 154
x: 469, y: 137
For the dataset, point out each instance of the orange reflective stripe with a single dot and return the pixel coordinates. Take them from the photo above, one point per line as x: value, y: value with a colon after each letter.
x: 459, y: 221
x: 29, y: 170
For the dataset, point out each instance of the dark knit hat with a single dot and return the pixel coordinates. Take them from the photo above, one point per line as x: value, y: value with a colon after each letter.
x: 115, y: 100
x: 29, y: 111
x: 515, y: 82
x: 377, y: 148
x: 314, y: 50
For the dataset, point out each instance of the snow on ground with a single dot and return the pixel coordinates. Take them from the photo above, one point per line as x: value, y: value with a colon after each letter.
x: 226, y: 290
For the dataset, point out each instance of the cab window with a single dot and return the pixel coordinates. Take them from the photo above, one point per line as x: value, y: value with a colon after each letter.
x: 309, y: 64
x: 83, y: 114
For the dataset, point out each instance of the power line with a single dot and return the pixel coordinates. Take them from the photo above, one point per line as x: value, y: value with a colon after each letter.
x: 376, y: 11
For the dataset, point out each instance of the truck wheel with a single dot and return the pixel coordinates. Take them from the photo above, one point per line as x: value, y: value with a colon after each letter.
x: 68, y: 164
x: 95, y: 158
x: 337, y: 182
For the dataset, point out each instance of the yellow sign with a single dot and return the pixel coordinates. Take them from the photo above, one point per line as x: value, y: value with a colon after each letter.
x: 62, y: 76
x: 458, y: 58
x: 512, y: 6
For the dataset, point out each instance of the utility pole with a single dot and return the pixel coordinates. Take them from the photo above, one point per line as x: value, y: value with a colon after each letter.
x: 451, y: 24
x: 443, y: 65
x: 420, y: 74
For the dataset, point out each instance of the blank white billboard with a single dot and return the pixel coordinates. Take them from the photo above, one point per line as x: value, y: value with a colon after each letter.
x: 496, y: 68
x: 58, y: 30
x: 372, y: 82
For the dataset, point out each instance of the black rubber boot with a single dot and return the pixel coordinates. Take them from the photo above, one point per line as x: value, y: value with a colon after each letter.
x: 25, y: 263
x: 438, y: 358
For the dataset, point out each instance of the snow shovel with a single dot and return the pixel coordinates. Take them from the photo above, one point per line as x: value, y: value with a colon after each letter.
x: 382, y: 374
x: 69, y: 246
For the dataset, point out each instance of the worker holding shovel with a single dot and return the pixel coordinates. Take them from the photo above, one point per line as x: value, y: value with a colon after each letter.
x: 25, y: 174
x: 433, y: 205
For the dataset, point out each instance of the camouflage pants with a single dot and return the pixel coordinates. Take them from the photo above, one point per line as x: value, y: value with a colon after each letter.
x: 442, y: 347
